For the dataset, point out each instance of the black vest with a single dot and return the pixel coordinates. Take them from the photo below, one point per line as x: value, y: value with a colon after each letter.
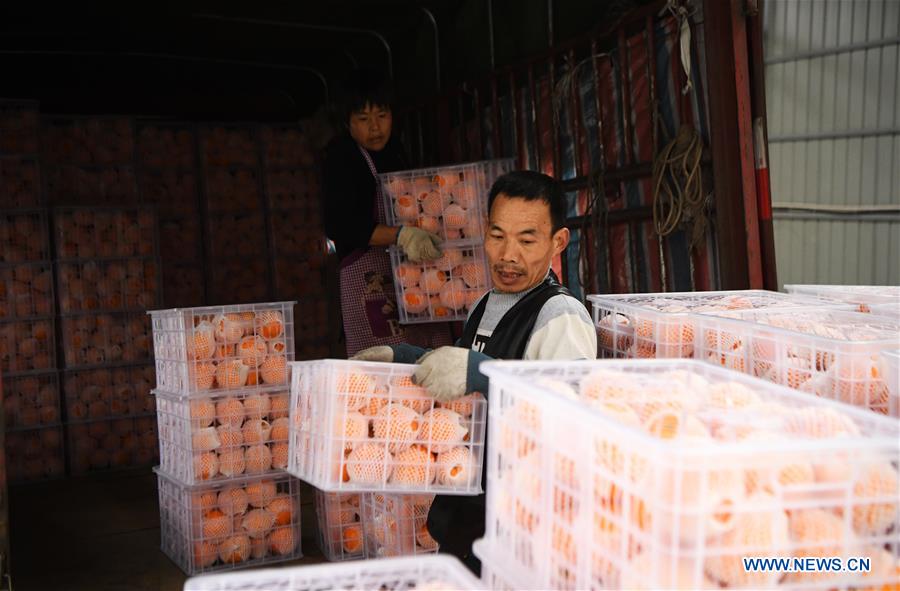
x: 457, y: 521
x: 511, y: 335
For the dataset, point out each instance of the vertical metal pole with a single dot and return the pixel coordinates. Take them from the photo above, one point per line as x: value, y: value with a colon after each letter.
x: 534, y: 121
x: 517, y: 121
x: 490, y: 20
x: 550, y: 34
x: 496, y: 136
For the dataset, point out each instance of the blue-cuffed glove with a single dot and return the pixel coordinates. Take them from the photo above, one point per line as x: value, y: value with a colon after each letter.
x: 401, y: 353
x: 449, y: 373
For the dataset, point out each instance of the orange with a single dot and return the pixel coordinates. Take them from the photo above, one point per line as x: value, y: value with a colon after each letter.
x: 256, y: 406
x: 203, y: 413
x: 472, y: 274
x: 279, y: 406
x: 369, y: 463
x: 203, y: 375
x: 224, y: 351
x: 463, y: 406
x: 228, y: 328
x: 258, y: 522
x: 450, y: 259
x: 446, y: 180
x: 351, y: 538
x: 876, y: 481
x: 256, y: 431
x: 206, y: 465
x: 414, y: 300
x: 413, y: 467
x: 411, y: 395
x: 355, y: 388
x: 397, y: 425
x: 261, y: 493
x: 454, y: 467
x: 815, y: 532
x: 230, y: 436
x: 253, y: 350
x: 424, y: 539
x: 408, y: 274
x: 858, y: 381
x: 202, y: 344
x: 406, y: 207
x: 282, y: 507
x: 231, y: 462
x: 433, y: 203
x: 270, y: 324
x: 205, y: 554
x: 351, y: 429
x: 280, y: 429
x: 234, y: 549
x: 232, y: 501
x: 453, y: 294
x: 274, y: 370
x: 454, y: 216
x: 277, y: 347
x: 231, y: 374
x: 216, y: 524
x: 258, y: 459
x: 280, y: 453
x: 614, y: 333
x: 429, y: 223
x: 432, y: 280
x: 442, y: 429
x: 205, y: 439
x: 259, y: 547
x: 281, y: 540
x: 230, y: 411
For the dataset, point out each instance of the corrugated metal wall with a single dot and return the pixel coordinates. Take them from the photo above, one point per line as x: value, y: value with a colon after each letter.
x: 833, y: 100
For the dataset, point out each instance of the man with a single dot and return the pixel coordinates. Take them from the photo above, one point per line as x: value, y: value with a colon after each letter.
x: 527, y: 315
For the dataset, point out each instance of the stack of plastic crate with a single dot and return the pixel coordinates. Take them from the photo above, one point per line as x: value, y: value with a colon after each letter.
x: 663, y: 474
x: 167, y: 176
x: 235, y: 214
x: 222, y: 404
x: 90, y: 161
x: 297, y: 243
x: 366, y: 428
x: 450, y: 201
x: 828, y: 352
x: 389, y: 574
x: 107, y: 275
x: 867, y: 298
x: 663, y: 325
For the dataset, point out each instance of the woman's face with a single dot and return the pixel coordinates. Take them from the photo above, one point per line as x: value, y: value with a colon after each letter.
x: 371, y: 127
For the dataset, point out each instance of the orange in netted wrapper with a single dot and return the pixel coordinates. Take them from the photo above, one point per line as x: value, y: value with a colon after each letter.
x: 442, y: 429
x: 398, y: 425
x: 369, y: 463
x: 231, y: 374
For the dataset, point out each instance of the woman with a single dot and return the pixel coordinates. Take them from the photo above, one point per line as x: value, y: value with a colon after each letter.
x: 355, y: 220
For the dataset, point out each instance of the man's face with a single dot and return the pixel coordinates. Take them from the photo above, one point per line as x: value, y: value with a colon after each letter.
x: 521, y: 243
x: 371, y: 127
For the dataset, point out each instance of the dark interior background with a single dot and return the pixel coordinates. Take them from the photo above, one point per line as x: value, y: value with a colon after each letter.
x: 253, y: 61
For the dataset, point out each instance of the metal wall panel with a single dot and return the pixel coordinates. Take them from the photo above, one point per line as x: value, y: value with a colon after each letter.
x: 833, y: 100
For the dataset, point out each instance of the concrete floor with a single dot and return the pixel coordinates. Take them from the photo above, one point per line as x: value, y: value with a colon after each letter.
x: 101, y: 533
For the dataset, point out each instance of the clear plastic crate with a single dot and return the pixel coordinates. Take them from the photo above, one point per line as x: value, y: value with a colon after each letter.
x: 661, y: 325
x: 99, y: 446
x: 118, y: 285
x: 166, y: 146
x: 450, y: 201
x: 395, y: 525
x: 20, y: 184
x: 830, y: 353
x: 24, y: 236
x: 109, y: 392
x: 229, y: 145
x: 31, y: 401
x: 94, y: 340
x: 26, y: 291
x: 229, y: 525
x: 19, y: 127
x: 333, y: 448
x: 892, y: 371
x: 27, y: 346
x: 389, y: 574
x: 88, y: 141
x: 218, y: 348
x: 223, y: 436
x: 35, y: 455
x: 657, y: 474
x: 443, y: 290
x: 89, y: 233
x: 862, y: 296
x: 492, y: 576
x: 891, y: 310
x: 340, y: 527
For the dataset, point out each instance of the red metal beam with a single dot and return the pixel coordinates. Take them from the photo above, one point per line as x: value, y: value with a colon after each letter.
x: 731, y: 141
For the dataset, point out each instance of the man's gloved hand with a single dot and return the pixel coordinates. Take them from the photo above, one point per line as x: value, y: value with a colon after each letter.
x: 451, y: 372
x: 418, y: 244
x: 381, y: 353
x: 402, y: 353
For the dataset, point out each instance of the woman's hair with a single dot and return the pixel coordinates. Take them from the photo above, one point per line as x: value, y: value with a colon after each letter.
x: 365, y: 88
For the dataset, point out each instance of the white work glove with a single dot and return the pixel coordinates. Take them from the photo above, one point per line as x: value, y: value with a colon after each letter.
x: 418, y: 244
x: 449, y: 373
x: 381, y: 353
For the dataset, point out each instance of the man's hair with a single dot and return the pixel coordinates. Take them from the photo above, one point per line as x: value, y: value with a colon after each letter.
x: 365, y: 88
x: 532, y: 186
